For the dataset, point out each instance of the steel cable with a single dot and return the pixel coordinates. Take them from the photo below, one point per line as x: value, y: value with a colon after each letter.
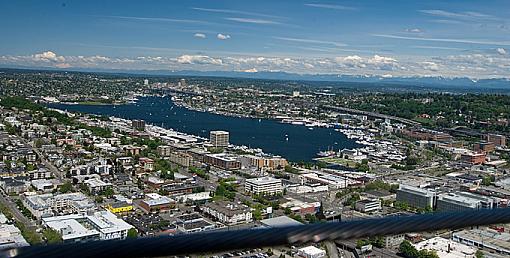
x: 217, y: 241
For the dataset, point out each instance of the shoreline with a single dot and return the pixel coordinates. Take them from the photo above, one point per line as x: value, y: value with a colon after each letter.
x: 311, y: 157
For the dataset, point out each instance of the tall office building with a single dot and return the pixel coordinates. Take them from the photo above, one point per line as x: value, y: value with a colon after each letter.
x: 145, y: 82
x: 138, y: 124
x: 497, y: 139
x: 416, y: 197
x: 461, y: 201
x: 219, y: 138
x: 182, y: 83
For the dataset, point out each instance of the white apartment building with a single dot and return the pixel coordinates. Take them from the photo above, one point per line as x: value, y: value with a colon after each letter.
x: 263, y: 185
x: 228, y: 213
x: 46, y: 205
x: 101, y: 225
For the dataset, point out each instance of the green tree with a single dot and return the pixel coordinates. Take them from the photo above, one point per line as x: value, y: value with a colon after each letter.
x: 311, y: 218
x: 132, y: 233
x: 407, y: 249
x: 291, y: 169
x: 257, y: 214
x: 52, y: 236
x: 99, y: 199
x: 108, y: 192
x: 363, y: 166
x: 479, y: 254
x: 66, y: 187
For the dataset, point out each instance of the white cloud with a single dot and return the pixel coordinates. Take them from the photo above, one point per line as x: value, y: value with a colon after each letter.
x: 233, y: 12
x: 156, y: 19
x: 49, y: 56
x: 438, y: 47
x: 63, y: 65
x: 313, y: 41
x: 465, y: 41
x: 381, y: 60
x: 331, y: 6
x: 198, y: 59
x: 413, y: 30
x: 501, y: 51
x: 475, y: 65
x: 252, y: 70
x: 223, y: 36
x: 376, y: 62
x: 458, y: 15
x: 352, y: 61
x: 250, y: 20
x: 199, y: 35
x: 431, y: 66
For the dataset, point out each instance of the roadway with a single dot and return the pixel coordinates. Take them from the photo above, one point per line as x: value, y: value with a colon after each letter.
x: 7, y: 202
x: 371, y: 114
x: 332, y: 249
x: 54, y: 170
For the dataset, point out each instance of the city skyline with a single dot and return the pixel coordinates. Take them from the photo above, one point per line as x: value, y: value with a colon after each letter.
x: 433, y: 38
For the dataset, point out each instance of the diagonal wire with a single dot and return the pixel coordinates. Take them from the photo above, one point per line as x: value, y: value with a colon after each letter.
x: 217, y: 241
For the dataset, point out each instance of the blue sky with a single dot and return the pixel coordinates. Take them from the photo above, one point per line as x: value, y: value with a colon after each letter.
x: 391, y: 38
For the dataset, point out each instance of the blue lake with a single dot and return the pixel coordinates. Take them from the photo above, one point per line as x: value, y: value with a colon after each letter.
x: 294, y: 142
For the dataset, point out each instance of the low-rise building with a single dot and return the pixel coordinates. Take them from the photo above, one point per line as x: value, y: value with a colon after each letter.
x: 10, y: 237
x: 301, y: 207
x: 15, y: 185
x: 132, y: 150
x: 228, y: 213
x: 164, y: 150
x: 311, y: 252
x: 151, y: 224
x: 39, y: 173
x: 156, y: 202
x: 473, y: 158
x: 101, y: 225
x: 446, y: 248
x: 223, y: 160
x: 147, y: 164
x: 47, y: 205
x: 497, y: 139
x: 368, y: 205
x: 492, y: 240
x: 120, y: 207
x: 200, y: 197
x: 96, y: 185
x: 180, y: 158
x: 484, y: 147
x: 191, y: 223
x: 281, y: 221
x: 44, y: 185
x: 263, y: 185
x: 392, y: 241
x: 262, y: 162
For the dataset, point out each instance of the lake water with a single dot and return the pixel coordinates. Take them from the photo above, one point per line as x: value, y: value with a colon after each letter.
x: 294, y: 142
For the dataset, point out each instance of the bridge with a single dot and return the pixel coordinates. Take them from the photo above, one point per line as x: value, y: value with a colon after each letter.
x: 371, y: 114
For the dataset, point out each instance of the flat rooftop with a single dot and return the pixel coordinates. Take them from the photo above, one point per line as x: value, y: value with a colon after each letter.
x: 263, y: 180
x: 282, y: 221
x: 446, y: 248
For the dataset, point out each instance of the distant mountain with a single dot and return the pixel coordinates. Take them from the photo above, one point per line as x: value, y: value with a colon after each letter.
x: 454, y: 82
